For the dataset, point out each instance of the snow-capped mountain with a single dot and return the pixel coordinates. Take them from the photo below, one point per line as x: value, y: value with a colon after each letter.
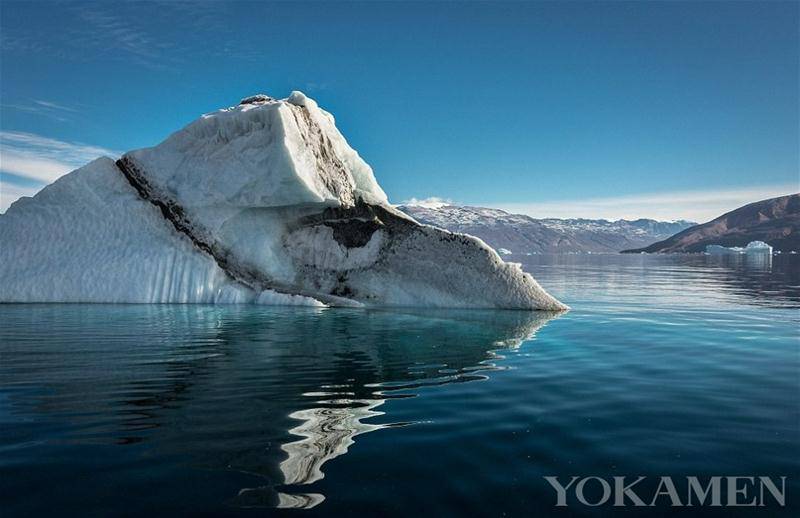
x: 261, y: 202
x: 521, y: 234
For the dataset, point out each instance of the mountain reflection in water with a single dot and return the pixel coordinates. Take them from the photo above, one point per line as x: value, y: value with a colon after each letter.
x: 270, y: 392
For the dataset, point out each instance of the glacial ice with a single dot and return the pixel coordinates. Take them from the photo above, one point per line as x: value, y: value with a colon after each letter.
x: 88, y: 237
x: 264, y: 202
x: 752, y: 248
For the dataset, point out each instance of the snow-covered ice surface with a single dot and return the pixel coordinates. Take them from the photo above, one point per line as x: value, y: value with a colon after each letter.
x: 264, y: 202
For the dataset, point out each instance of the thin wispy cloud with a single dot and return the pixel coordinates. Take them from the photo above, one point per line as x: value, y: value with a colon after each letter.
x: 25, y: 43
x: 115, y: 33
x: 49, y: 109
x: 131, y: 34
x: 50, y: 105
x: 697, y: 205
x: 126, y: 32
x: 95, y: 31
x: 39, y: 160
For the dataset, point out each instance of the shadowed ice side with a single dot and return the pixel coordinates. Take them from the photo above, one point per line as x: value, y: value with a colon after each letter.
x: 209, y: 384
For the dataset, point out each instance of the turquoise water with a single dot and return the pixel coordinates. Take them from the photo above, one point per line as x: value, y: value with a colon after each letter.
x: 674, y: 366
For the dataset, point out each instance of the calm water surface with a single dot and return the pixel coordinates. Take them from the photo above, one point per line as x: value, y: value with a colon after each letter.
x: 668, y: 365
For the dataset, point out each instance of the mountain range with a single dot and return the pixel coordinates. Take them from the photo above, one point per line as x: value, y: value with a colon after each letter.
x: 518, y: 233
x: 775, y: 221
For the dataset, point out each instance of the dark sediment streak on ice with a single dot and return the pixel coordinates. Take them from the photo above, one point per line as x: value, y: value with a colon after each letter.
x: 243, y: 274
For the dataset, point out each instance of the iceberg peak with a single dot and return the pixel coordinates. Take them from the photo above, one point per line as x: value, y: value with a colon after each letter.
x: 261, y: 153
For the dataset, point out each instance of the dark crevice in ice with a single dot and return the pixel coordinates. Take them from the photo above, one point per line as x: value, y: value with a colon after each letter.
x: 353, y: 233
x: 369, y: 218
x: 237, y: 271
x: 171, y: 211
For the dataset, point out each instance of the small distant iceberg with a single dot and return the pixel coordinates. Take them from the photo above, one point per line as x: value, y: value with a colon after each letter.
x: 754, y: 248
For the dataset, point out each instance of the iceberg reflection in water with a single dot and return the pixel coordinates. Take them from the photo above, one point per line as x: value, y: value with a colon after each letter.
x: 329, y: 430
x: 270, y: 393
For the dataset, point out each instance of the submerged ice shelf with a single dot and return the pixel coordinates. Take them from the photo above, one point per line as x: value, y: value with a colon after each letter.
x: 262, y: 202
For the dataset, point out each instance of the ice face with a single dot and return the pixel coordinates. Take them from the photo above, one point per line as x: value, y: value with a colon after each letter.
x: 264, y: 202
x: 88, y: 237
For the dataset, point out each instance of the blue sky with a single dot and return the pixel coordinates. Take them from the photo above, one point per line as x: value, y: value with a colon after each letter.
x: 667, y: 110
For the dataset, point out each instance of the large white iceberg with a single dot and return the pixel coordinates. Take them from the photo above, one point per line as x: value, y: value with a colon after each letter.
x: 263, y: 202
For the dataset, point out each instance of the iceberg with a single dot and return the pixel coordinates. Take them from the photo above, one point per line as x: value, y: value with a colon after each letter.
x: 752, y: 248
x: 264, y: 202
x: 758, y: 247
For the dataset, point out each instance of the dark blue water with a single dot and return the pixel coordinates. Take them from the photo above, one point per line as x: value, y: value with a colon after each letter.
x: 673, y: 366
